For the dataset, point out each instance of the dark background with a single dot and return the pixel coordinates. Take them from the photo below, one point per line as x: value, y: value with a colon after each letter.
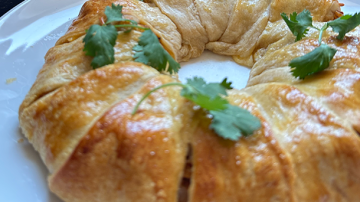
x: 6, y: 5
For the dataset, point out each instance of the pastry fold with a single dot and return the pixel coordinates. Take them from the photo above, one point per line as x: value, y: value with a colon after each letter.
x: 308, y: 146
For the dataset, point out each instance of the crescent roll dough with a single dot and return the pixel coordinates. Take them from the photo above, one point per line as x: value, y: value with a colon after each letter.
x: 308, y: 148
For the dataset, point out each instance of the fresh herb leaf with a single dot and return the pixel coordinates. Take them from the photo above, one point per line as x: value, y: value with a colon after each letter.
x: 234, y: 122
x: 345, y: 24
x: 99, y: 43
x: 100, y: 40
x: 210, y: 89
x: 298, y: 24
x: 150, y: 52
x: 226, y: 84
x: 205, y: 102
x: 313, y: 62
x: 205, y: 95
x: 114, y: 14
x: 229, y: 122
x: 318, y: 59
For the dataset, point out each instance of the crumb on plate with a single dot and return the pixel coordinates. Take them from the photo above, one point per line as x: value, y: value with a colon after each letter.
x: 10, y: 80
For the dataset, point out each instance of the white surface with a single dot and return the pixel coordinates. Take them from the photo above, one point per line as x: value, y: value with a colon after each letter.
x: 26, y: 33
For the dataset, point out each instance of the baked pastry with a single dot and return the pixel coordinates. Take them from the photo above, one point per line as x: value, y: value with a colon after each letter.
x: 307, y: 149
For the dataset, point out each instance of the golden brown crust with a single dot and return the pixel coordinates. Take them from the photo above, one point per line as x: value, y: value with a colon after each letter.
x: 339, y: 90
x: 233, y: 27
x: 323, y: 148
x: 129, y: 158
x: 337, y: 87
x: 306, y: 150
x: 64, y: 63
x: 92, y: 12
x: 56, y: 122
x: 224, y: 170
x: 67, y: 61
x: 282, y: 51
x: 322, y: 10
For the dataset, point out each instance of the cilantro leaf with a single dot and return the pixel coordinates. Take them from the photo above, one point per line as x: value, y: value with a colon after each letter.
x: 205, y: 95
x: 150, y: 52
x: 114, y: 14
x: 211, y: 89
x: 313, y: 62
x: 318, y: 59
x: 226, y: 84
x: 205, y: 102
x: 99, y: 43
x: 298, y: 24
x: 234, y: 122
x: 345, y: 24
x: 229, y: 122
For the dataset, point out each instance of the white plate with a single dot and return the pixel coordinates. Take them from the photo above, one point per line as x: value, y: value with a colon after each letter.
x: 26, y: 33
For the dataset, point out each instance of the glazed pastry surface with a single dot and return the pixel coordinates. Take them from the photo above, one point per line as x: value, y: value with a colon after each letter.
x: 307, y: 149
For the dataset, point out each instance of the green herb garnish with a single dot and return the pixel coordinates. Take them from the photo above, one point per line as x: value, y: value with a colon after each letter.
x: 114, y: 14
x: 150, y: 52
x: 234, y: 122
x: 345, y: 24
x: 318, y: 59
x: 315, y: 61
x: 100, y: 41
x: 229, y: 121
x: 298, y: 24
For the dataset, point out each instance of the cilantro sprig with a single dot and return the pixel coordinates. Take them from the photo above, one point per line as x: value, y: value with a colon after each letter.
x: 298, y: 24
x: 101, y: 39
x: 150, y: 52
x: 345, y: 24
x: 318, y: 59
x: 229, y: 121
x: 100, y: 45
